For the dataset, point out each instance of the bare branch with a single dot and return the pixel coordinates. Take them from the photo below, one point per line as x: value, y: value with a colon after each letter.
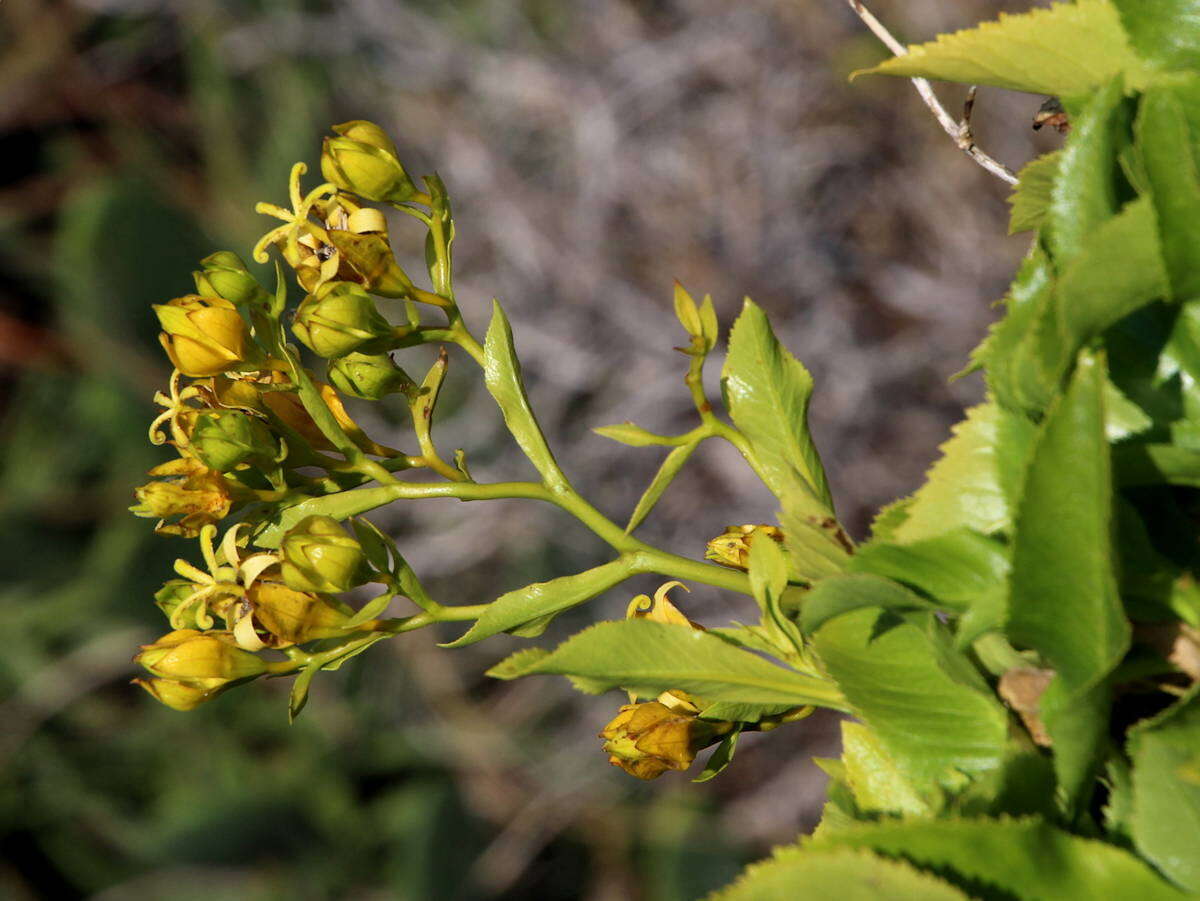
x: 960, y: 132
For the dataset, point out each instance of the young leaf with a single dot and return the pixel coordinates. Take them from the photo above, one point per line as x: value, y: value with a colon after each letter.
x: 524, y: 605
x: 721, y: 757
x: 298, y: 697
x: 1031, y: 197
x: 1010, y: 859
x: 1066, y: 50
x: 768, y: 390
x: 632, y: 435
x: 914, y: 691
x: 647, y: 658
x: 670, y: 467
x: 768, y: 574
x: 1166, y: 790
x: 502, y: 375
x: 742, y: 713
x: 836, y: 873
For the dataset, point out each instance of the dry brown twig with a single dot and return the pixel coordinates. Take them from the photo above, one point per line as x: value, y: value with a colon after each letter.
x: 960, y: 132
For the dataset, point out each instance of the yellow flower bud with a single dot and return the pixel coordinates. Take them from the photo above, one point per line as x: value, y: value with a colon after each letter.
x: 319, y: 556
x: 177, y: 695
x: 732, y: 547
x: 647, y: 739
x: 294, y: 617
x: 338, y: 319
x: 205, y: 336
x: 363, y: 161
x: 223, y: 274
x: 202, y: 659
x: 189, y: 490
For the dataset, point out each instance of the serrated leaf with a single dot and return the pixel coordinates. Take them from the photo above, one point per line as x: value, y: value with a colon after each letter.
x: 835, y: 873
x: 871, y: 773
x: 914, y: 692
x: 1063, y: 598
x: 517, y: 664
x: 956, y: 568
x: 1165, y: 33
x: 721, y: 757
x: 1066, y: 50
x: 502, y: 375
x: 1026, y: 859
x: 1166, y: 790
x: 1166, y: 151
x: 1030, y: 199
x: 767, y: 390
x: 666, y: 473
x: 632, y: 435
x: 966, y: 487
x: 541, y: 599
x: 839, y: 595
x: 647, y: 658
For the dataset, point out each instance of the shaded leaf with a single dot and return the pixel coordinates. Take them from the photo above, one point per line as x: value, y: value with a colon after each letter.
x: 873, y: 777
x: 839, y: 595
x: 721, y: 757
x: 1166, y: 33
x: 1031, y: 197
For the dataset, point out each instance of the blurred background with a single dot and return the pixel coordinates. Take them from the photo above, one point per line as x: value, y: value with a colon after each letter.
x: 595, y: 150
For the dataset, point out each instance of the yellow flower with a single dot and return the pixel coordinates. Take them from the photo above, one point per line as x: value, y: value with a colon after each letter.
x: 289, y: 616
x: 187, y: 489
x: 732, y: 547
x: 205, y: 336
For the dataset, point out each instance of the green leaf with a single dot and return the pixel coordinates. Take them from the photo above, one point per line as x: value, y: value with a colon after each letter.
x: 670, y: 467
x: 768, y: 572
x: 1028, y: 294
x: 633, y: 435
x: 298, y: 697
x: 1156, y: 464
x: 1063, y: 591
x: 767, y: 390
x: 647, y: 658
x: 1063, y: 598
x: 1166, y: 790
x: 957, y: 567
x: 921, y: 698
x: 742, y: 713
x: 1167, y: 152
x: 1084, y: 193
x: 370, y: 610
x: 524, y: 605
x: 1166, y: 33
x: 721, y: 757
x: 877, y: 784
x: 966, y: 487
x: 1026, y: 859
x: 517, y: 664
x: 502, y: 375
x: 1068, y: 49
x: 839, y: 595
x: 1031, y: 197
x: 835, y: 873
x: 816, y: 544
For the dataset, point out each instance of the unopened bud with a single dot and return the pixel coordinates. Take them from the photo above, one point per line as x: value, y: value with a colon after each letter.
x: 223, y: 274
x: 202, y: 659
x: 339, y: 319
x: 369, y: 376
x: 319, y: 556
x: 205, y: 336
x: 363, y: 161
x: 294, y: 617
x: 177, y: 695
x: 225, y: 439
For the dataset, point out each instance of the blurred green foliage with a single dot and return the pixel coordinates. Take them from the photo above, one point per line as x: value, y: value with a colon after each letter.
x: 105, y: 792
